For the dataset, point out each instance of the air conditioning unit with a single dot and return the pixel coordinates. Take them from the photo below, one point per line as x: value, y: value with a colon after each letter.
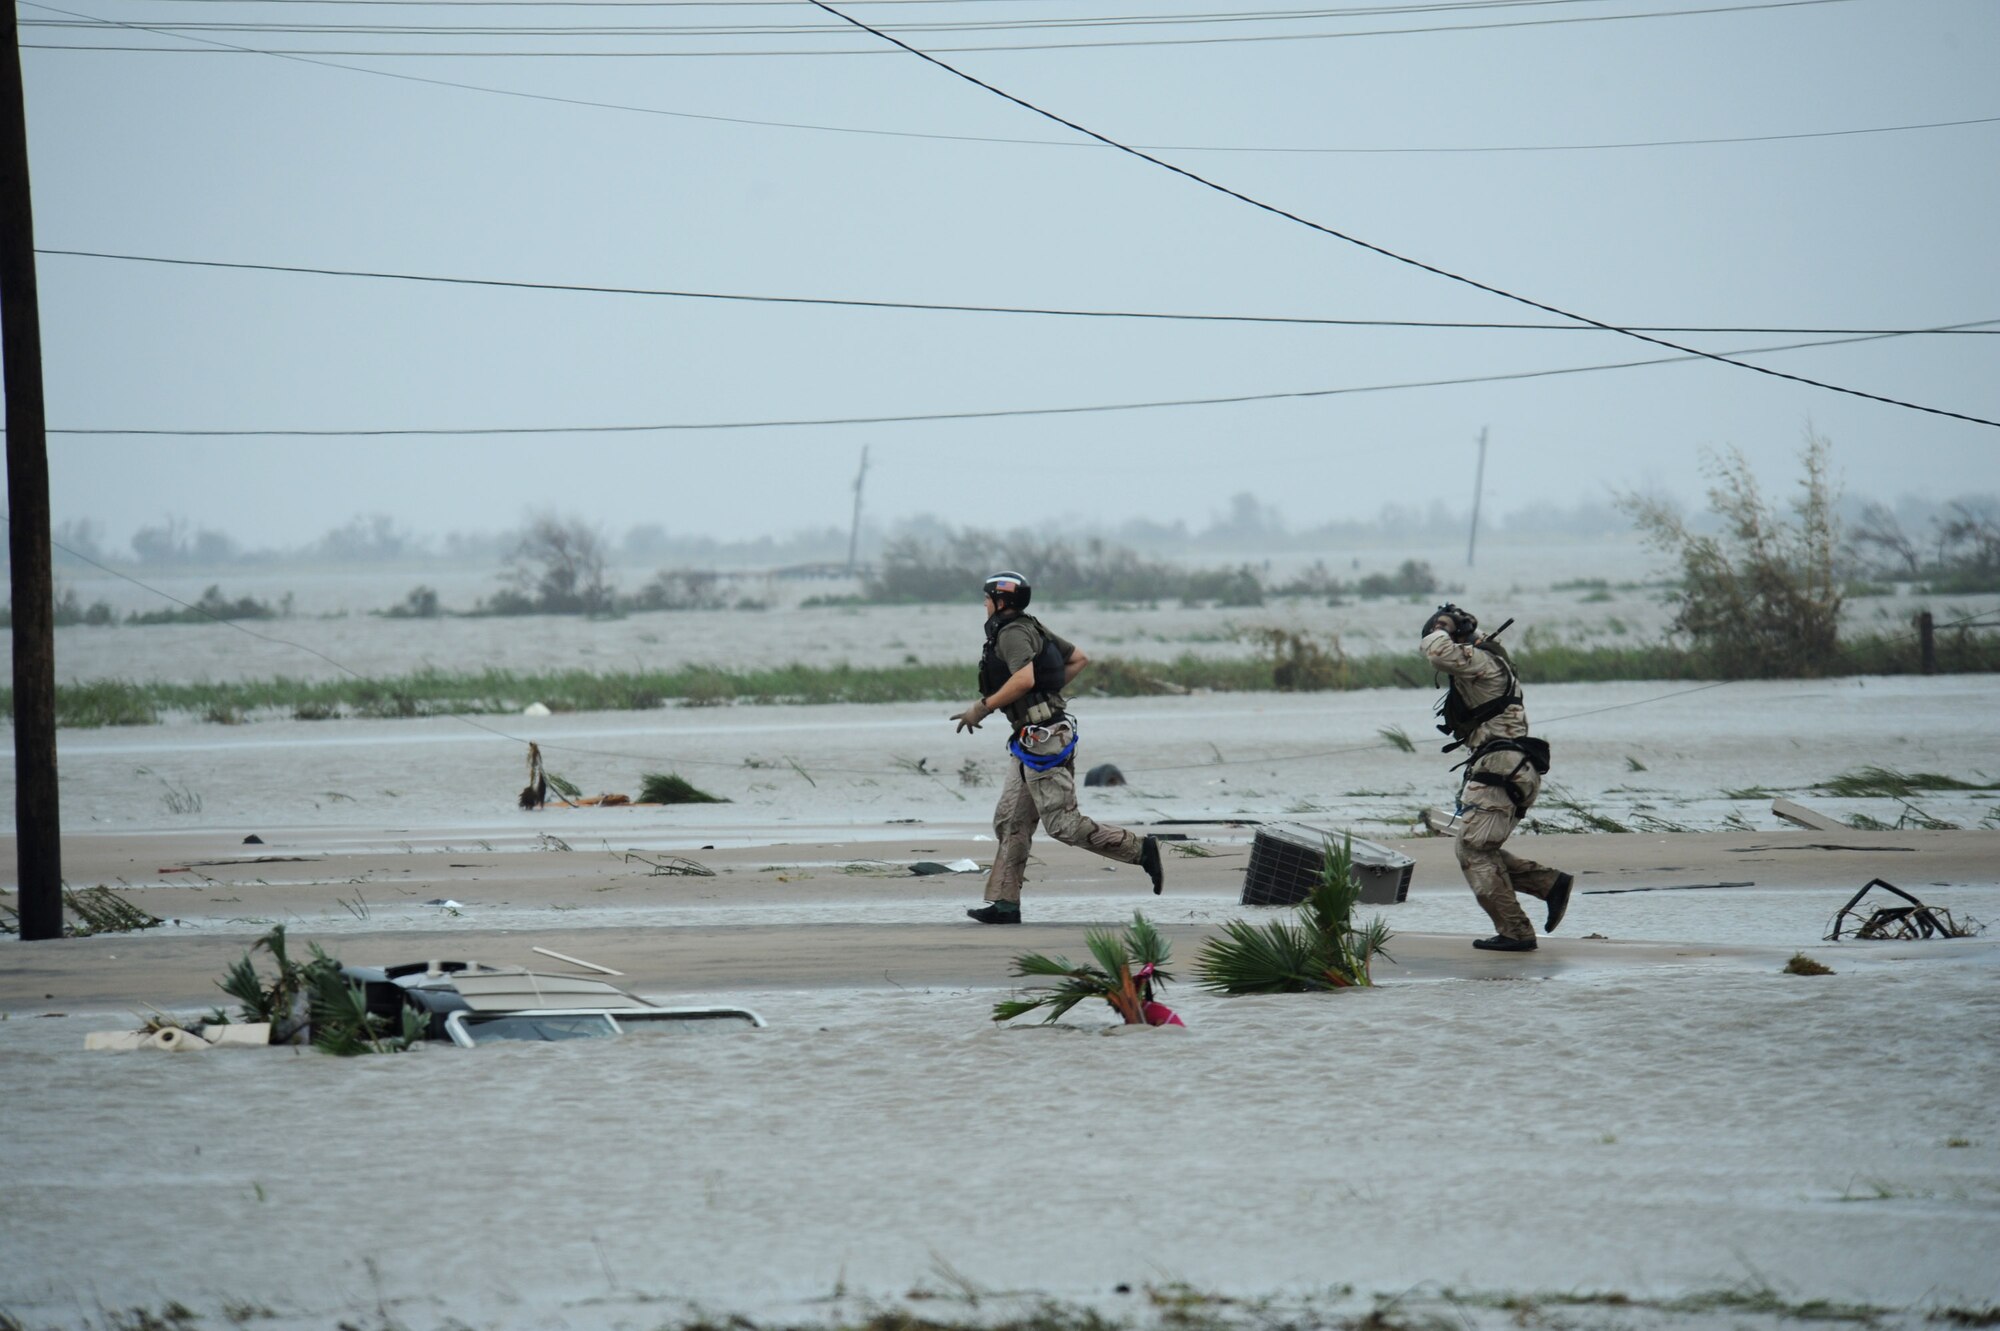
x: 1287, y: 859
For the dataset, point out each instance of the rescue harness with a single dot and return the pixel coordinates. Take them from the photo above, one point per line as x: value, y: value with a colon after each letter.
x: 1534, y: 752
x: 1044, y: 762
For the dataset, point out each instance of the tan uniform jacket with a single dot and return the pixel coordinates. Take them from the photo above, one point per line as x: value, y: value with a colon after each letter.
x: 1480, y: 678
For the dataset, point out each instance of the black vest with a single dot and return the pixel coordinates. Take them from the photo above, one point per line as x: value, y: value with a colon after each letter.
x: 1051, y: 670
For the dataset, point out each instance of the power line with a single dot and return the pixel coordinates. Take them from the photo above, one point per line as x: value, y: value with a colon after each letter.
x: 996, y: 413
x: 1015, y: 46
x: 1074, y: 144
x: 799, y: 29
x: 1388, y: 253
x: 1979, y: 328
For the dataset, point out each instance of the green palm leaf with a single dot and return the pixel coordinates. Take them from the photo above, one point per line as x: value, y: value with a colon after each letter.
x: 1323, y: 950
x: 1117, y: 957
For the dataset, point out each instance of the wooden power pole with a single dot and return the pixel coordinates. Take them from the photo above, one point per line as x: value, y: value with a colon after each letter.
x: 854, y: 531
x: 1478, y: 489
x: 37, y: 819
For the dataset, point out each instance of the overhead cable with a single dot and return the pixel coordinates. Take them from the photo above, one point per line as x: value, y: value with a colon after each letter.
x: 908, y: 418
x: 929, y: 25
x: 1337, y: 234
x: 684, y: 29
x: 1086, y: 145
x: 1215, y: 40
x: 1979, y: 328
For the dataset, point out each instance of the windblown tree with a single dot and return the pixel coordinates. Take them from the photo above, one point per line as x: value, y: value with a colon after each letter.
x: 1323, y: 950
x: 556, y: 568
x: 1128, y: 968
x: 1762, y: 597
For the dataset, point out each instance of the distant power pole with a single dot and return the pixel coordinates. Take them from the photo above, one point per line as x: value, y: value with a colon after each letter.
x: 854, y: 531
x: 1478, y: 488
x: 37, y: 820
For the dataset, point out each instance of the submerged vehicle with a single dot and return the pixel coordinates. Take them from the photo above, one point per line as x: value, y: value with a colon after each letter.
x: 470, y: 1004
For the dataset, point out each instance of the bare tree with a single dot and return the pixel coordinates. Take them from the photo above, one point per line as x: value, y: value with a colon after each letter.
x: 1880, y: 533
x: 557, y: 566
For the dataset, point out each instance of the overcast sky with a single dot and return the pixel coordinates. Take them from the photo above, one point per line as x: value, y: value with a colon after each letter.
x: 260, y: 159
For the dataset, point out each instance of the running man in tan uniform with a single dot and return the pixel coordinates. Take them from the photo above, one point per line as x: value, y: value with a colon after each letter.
x: 1023, y: 673
x: 1482, y: 711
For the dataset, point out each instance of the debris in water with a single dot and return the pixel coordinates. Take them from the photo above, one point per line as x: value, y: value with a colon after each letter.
x: 1800, y: 816
x: 671, y: 866
x: 666, y: 788
x: 1913, y: 921
x: 536, y: 792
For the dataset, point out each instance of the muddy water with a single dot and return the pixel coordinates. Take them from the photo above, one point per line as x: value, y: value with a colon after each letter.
x: 1651, y: 756
x: 1660, y: 758
x: 333, y: 615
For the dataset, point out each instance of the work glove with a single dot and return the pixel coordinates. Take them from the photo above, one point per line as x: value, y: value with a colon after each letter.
x: 970, y: 718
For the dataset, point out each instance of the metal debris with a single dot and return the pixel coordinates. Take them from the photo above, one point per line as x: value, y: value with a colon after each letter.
x: 1913, y: 921
x: 670, y: 866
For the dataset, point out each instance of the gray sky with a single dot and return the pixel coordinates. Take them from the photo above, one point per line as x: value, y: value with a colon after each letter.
x: 254, y: 158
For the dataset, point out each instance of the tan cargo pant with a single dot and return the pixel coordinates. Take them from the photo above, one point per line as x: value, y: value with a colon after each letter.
x: 1495, y: 874
x: 1050, y: 798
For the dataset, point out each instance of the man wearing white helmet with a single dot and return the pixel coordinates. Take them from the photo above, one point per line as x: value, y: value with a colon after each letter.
x: 1022, y: 673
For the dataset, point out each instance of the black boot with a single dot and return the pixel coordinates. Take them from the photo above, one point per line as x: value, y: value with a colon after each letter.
x: 1558, y: 901
x: 1502, y: 943
x: 998, y: 912
x: 1149, y: 860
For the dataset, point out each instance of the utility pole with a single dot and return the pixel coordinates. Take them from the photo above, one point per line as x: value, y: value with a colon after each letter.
x: 37, y: 817
x: 1478, y: 488
x: 854, y: 531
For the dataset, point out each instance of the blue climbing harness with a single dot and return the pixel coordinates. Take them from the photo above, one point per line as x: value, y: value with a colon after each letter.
x: 1037, y: 762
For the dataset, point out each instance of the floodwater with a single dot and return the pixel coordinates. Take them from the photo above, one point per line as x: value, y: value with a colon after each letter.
x: 1649, y: 756
x: 333, y: 615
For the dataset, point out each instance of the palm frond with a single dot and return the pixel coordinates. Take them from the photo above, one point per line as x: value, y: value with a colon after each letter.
x: 1275, y: 958
x: 1147, y: 948
x: 240, y: 982
x: 1323, y: 950
x: 1109, y: 949
x: 1118, y: 956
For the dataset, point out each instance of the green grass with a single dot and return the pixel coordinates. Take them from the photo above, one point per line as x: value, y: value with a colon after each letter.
x: 102, y: 702
x: 1888, y: 783
x: 666, y: 788
x: 500, y: 692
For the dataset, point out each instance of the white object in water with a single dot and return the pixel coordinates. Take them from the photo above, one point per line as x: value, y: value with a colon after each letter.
x: 238, y: 1032
x: 535, y: 709
x: 176, y: 1041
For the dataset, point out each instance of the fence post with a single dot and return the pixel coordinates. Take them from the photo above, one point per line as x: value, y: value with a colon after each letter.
x: 1926, y: 643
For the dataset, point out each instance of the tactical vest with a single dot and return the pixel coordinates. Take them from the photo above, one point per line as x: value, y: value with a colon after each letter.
x: 1051, y: 670
x: 1462, y: 718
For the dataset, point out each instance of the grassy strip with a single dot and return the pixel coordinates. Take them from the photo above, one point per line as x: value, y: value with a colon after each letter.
x: 433, y: 692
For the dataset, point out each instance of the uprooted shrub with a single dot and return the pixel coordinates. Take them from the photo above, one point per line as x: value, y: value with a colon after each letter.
x: 1298, y: 663
x: 667, y: 788
x: 1324, y: 950
x: 311, y: 1002
x: 1129, y: 966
